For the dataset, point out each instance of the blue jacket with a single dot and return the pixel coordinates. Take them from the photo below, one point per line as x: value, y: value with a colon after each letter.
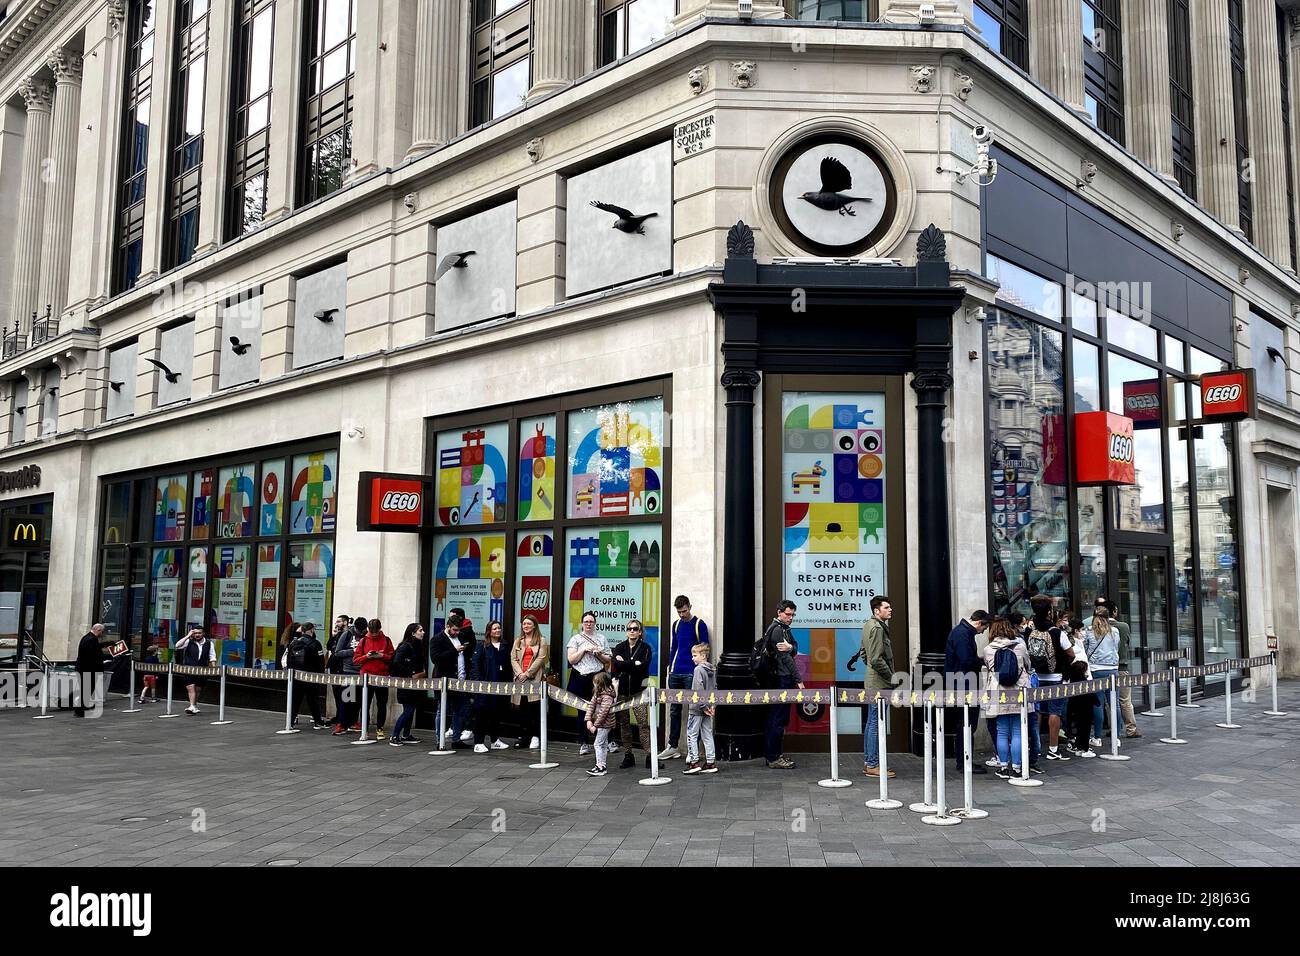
x: 960, y: 656
x: 685, y: 635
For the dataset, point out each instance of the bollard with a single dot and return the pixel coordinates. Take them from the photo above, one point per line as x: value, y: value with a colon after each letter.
x: 941, y: 817
x: 654, y: 779
x: 289, y: 728
x: 1114, y: 722
x: 442, y: 724
x: 1173, y: 737
x: 1024, y: 780
x: 169, y: 694
x: 1151, y: 695
x: 1227, y: 703
x: 22, y: 682
x: 834, y: 780
x: 221, y: 700
x: 45, y: 694
x: 968, y: 811
x: 927, y: 805
x: 544, y: 706
x: 1190, y: 682
x: 884, y: 801
x: 130, y: 701
x: 1274, y: 712
x: 365, y: 713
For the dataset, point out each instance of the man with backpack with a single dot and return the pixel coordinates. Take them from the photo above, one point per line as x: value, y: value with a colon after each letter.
x: 341, y: 661
x: 961, y: 666
x: 1049, y: 655
x: 773, y: 664
x: 877, y: 653
x: 688, y: 630
x: 306, y: 654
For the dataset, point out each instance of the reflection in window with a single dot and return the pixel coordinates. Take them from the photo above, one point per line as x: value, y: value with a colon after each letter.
x: 1004, y: 25
x: 1022, y: 288
x: 1027, y: 462
x: 331, y: 53
x: 1135, y: 393
x: 1217, y: 545
x: 502, y: 50
x: 1103, y: 72
x: 128, y: 240
x: 1130, y: 334
x: 1180, y: 518
x: 630, y: 25
x: 854, y: 10
x: 1083, y: 313
x: 186, y: 171
x: 251, y: 117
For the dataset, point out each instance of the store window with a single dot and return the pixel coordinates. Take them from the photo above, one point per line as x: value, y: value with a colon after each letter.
x: 1183, y: 106
x: 330, y: 59
x: 1135, y: 392
x: 1241, y: 125
x: 1103, y: 71
x: 1024, y: 289
x: 855, y: 11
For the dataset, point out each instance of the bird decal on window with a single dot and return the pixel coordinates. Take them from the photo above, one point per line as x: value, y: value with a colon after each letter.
x: 239, y: 348
x: 453, y: 260
x: 627, y: 221
x: 835, y: 180
x: 172, y: 377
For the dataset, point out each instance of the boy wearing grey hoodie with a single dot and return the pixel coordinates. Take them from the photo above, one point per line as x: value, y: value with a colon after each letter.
x: 699, y: 724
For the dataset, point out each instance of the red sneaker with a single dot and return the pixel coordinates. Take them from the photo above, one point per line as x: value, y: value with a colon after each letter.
x: 338, y: 731
x: 355, y: 727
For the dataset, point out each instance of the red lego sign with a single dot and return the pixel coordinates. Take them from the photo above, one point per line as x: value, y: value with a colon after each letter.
x: 1142, y: 403
x: 1103, y: 449
x: 1228, y: 396
x: 535, y: 597
x: 392, y: 502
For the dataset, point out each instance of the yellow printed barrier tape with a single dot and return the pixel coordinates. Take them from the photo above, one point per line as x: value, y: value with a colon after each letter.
x: 257, y: 673
x: 1146, y: 680
x: 193, y: 671
x: 640, y: 700
x: 334, y: 680
x: 144, y: 668
x: 494, y: 688
x: 1177, y: 655
x: 403, y: 683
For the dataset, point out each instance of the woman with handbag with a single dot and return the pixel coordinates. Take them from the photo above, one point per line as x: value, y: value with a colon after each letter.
x: 588, y: 655
x: 528, y: 662
x: 1102, y: 646
x: 1079, y: 709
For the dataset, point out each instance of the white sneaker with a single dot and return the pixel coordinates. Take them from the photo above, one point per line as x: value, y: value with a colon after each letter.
x: 1095, y: 741
x: 448, y: 733
x: 534, y: 744
x: 1084, y: 753
x: 669, y: 753
x: 992, y: 762
x: 614, y: 748
x: 480, y: 748
x: 466, y: 736
x: 584, y: 750
x: 500, y: 744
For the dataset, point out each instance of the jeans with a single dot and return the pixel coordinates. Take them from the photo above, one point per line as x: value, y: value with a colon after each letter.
x: 602, y: 746
x: 1035, y: 741
x: 699, y: 727
x: 402, y: 726
x: 778, y: 716
x: 487, y: 720
x: 1079, y: 719
x: 871, y: 738
x: 1102, y: 703
x: 1008, y: 738
x: 676, y: 682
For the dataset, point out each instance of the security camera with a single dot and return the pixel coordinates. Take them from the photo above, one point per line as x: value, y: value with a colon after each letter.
x: 982, y: 135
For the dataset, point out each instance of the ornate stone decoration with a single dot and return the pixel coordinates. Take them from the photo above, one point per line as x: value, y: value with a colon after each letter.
x: 534, y: 149
x: 932, y: 379
x: 65, y: 65
x: 931, y: 245
x: 744, y: 74
x: 740, y: 378
x: 740, y: 241
x: 37, y: 94
x: 116, y: 15
x: 1177, y: 230
x: 1087, y: 172
x: 1243, y: 274
x: 411, y: 201
x: 922, y: 78
x: 698, y: 79
x: 965, y: 86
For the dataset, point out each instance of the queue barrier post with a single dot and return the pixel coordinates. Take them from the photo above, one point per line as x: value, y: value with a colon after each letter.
x: 365, y: 737
x: 45, y: 694
x: 1173, y: 737
x: 654, y: 780
x: 941, y: 817
x: 1189, y: 704
x: 1114, y: 722
x: 221, y: 699
x: 1275, y: 712
x: 170, y: 674
x: 289, y: 728
x: 968, y: 810
x: 131, y: 707
x: 543, y: 704
x: 1024, y: 780
x: 443, y: 749
x: 884, y: 801
x: 834, y: 780
x: 1151, y: 710
x: 1227, y: 703
x: 927, y: 804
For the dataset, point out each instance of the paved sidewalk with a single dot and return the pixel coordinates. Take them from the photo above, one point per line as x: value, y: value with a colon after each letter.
x: 1228, y: 797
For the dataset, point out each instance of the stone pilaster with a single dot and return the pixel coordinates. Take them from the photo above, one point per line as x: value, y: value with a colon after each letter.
x: 1056, y: 49
x: 285, y: 85
x: 160, y: 111
x: 216, y: 131
x: 1267, y: 143
x: 38, y: 95
x: 1146, y: 81
x: 439, y: 43
x: 1216, y: 138
x: 56, y: 238
x: 559, y: 27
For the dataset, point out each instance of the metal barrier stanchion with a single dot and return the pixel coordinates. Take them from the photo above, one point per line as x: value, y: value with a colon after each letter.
x: 654, y: 779
x: 289, y: 728
x: 131, y: 707
x: 1024, y: 780
x: 45, y: 694
x: 1274, y: 712
x: 169, y: 713
x: 1173, y: 737
x: 544, y: 705
x: 1114, y: 722
x: 442, y: 724
x: 221, y: 700
x: 835, y: 780
x: 927, y: 805
x: 1151, y: 710
x: 22, y: 683
x: 968, y: 811
x: 941, y: 817
x: 365, y: 737
x: 1227, y: 703
x: 883, y: 802
x: 1190, y: 682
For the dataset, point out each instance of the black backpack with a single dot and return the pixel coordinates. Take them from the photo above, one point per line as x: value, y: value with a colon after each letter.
x: 760, y: 660
x: 300, y: 654
x: 1007, y: 667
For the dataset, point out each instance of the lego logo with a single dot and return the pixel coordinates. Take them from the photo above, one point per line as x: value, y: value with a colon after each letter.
x: 400, y: 501
x: 1121, y: 448
x: 1222, y: 393
x: 535, y: 599
x: 1142, y: 401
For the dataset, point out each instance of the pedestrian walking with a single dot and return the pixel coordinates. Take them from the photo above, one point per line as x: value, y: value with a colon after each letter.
x: 90, y: 669
x: 195, y: 650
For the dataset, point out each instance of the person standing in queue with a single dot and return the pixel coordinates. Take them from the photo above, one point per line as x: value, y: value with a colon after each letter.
x: 408, y: 661
x: 342, y: 661
x: 448, y: 661
x: 1125, y: 693
x: 962, y: 665
x: 878, y: 658
x: 491, y: 664
x: 779, y: 665
x: 631, y: 666
x: 588, y: 655
x: 306, y: 654
x: 688, y: 631
x: 528, y: 663
x: 373, y: 655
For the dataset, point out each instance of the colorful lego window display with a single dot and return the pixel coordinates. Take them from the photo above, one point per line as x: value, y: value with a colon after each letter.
x: 271, y: 497
x: 469, y: 572
x: 472, y: 473
x: 313, y: 498
x: 235, y: 495
x: 534, y: 563
x: 537, y: 469
x: 169, y: 509
x: 616, y: 460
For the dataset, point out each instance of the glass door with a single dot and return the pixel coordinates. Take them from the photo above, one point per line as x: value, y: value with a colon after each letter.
x: 1142, y: 599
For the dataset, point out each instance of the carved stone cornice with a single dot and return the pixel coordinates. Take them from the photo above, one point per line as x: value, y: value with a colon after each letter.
x: 65, y: 65
x: 38, y: 94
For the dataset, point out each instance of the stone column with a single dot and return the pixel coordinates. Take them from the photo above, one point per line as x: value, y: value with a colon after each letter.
x: 558, y: 31
x: 438, y: 47
x: 38, y: 94
x: 1146, y: 81
x: 1267, y: 143
x: 1056, y: 49
x: 56, y: 240
x: 1216, y: 138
